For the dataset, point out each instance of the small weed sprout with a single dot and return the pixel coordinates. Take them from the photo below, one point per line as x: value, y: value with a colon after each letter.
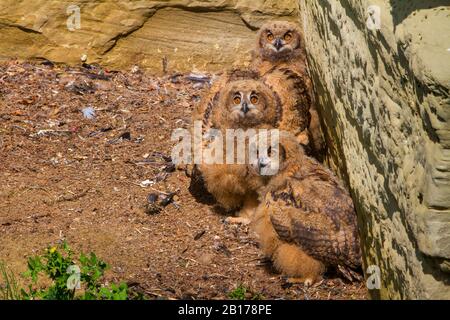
x: 57, y: 265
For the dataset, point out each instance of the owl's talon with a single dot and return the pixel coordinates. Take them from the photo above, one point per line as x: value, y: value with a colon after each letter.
x: 237, y: 220
x: 308, y: 282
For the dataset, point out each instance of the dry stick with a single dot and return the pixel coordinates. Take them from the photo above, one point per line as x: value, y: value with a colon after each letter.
x: 158, y: 295
x: 72, y: 197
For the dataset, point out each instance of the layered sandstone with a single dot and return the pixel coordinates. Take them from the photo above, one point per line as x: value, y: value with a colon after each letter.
x: 173, y: 35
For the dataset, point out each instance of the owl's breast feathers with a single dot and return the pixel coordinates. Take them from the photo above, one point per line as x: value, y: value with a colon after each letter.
x: 315, y: 212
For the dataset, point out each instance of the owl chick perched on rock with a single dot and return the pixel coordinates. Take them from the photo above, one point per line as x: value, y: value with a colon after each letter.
x: 306, y: 220
x: 280, y: 58
x: 240, y: 104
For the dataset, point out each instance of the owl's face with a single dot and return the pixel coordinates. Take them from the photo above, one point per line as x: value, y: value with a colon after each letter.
x: 269, y: 161
x: 279, y: 40
x: 247, y: 104
x: 276, y: 156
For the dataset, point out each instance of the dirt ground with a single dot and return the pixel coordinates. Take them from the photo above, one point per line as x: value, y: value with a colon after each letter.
x: 65, y: 176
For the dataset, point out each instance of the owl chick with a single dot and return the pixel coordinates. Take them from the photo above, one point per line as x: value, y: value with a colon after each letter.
x: 245, y: 104
x: 306, y: 220
x: 203, y: 113
x: 280, y: 48
x: 280, y: 44
x: 241, y: 104
x: 203, y: 110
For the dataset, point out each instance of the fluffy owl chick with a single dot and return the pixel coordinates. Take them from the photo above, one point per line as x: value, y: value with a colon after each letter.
x: 280, y: 46
x: 306, y: 220
x: 245, y: 104
x: 203, y: 113
x: 241, y: 104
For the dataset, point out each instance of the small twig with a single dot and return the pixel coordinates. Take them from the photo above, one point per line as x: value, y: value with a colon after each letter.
x: 158, y: 295
x: 161, y: 192
x: 255, y: 259
x: 176, y: 205
x: 195, y: 261
x: 219, y: 275
x: 72, y: 197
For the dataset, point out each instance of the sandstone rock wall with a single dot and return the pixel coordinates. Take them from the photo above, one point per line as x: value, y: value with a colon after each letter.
x: 385, y: 103
x: 186, y: 34
x: 383, y: 96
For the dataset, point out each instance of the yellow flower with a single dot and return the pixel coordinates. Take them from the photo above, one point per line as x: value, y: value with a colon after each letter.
x: 52, y: 249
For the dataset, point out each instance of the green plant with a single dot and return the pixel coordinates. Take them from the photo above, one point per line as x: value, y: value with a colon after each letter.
x: 243, y: 293
x: 66, y: 277
x: 9, y: 289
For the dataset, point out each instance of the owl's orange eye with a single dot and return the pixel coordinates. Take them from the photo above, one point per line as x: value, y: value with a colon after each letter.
x: 269, y: 36
x: 254, y: 99
x: 237, y: 100
x: 288, y: 36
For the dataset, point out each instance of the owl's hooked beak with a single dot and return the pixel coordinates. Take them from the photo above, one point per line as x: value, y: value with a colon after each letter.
x: 278, y: 44
x: 263, y: 162
x: 245, y: 108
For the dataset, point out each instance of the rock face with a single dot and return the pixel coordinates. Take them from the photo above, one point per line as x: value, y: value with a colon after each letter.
x: 383, y: 96
x: 385, y: 103
x: 181, y: 35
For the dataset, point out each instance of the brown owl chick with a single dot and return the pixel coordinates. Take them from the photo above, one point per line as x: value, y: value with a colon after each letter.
x: 306, y: 220
x: 280, y: 47
x: 203, y: 110
x: 241, y: 104
x: 280, y: 44
x: 245, y: 104
x: 203, y: 113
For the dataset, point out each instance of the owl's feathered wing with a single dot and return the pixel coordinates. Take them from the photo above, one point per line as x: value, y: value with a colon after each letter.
x: 315, y: 212
x: 295, y: 88
x: 294, y: 98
